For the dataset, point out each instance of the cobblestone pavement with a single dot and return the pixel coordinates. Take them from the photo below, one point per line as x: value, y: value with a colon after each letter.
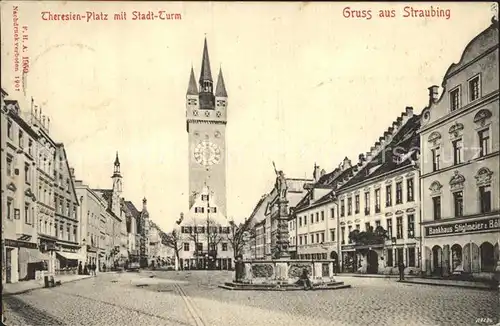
x: 193, y: 298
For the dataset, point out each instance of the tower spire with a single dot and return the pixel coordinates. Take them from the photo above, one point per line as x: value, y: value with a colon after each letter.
x: 192, y: 88
x: 206, y: 73
x: 220, y: 89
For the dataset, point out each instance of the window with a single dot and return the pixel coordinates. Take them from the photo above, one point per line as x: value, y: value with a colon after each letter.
x: 377, y: 200
x: 455, y: 99
x: 74, y: 234
x: 484, y: 142
x: 30, y: 147
x: 57, y: 230
x: 300, y: 240
x: 399, y: 227
x: 199, y: 246
x: 213, y: 209
x: 377, y: 224
x: 342, y: 208
x: 305, y: 239
x: 357, y: 227
x: 409, y: 190
x: 399, y: 255
x: 356, y: 204
x: 317, y: 237
x: 343, y: 234
x: 74, y: 212
x: 411, y: 226
x: 204, y: 197
x: 458, y: 200
x: 411, y: 257
x: 67, y: 184
x: 305, y: 219
x: 389, y: 228
x: 300, y: 221
x: 21, y: 139
x: 322, y: 215
x: 199, y: 209
x: 27, y: 173
x: 399, y: 193
x: 485, y: 199
x: 474, y: 90
x: 312, y: 238
x: 317, y: 217
x: 367, y: 203
x: 186, y: 246
x: 27, y: 218
x: 9, y: 128
x: 349, y: 206
x: 67, y: 209
x: 457, y: 151
x: 367, y: 226
x: 9, y: 165
x: 332, y: 234
x: 68, y: 234
x: 388, y: 196
x: 312, y: 218
x: 349, y: 230
x: 389, y: 258
x: 436, y: 158
x: 224, y: 246
x: 332, y: 212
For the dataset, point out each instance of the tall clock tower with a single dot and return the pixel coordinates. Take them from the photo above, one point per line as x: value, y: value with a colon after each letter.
x: 206, y: 119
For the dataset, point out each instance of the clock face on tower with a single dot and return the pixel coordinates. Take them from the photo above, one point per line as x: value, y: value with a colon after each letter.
x: 207, y: 153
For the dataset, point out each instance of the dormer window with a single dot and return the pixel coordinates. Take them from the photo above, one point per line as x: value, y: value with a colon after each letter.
x: 455, y: 99
x: 474, y: 88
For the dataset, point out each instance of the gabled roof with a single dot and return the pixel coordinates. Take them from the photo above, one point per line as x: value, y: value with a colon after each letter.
x: 61, y: 147
x: 131, y: 207
x: 106, y: 194
x: 406, y: 140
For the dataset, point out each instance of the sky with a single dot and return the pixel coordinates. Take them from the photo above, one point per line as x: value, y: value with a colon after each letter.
x: 306, y: 85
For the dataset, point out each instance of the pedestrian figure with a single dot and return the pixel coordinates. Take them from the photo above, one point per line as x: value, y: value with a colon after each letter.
x: 304, y: 280
x: 401, y: 267
x: 93, y: 269
x: 80, y: 268
x: 86, y: 269
x: 103, y: 267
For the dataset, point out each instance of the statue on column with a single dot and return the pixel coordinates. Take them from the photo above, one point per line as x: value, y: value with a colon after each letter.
x: 280, y: 184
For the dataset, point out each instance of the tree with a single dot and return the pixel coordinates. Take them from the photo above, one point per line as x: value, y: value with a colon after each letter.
x: 172, y: 240
x: 239, y: 235
x: 369, y: 237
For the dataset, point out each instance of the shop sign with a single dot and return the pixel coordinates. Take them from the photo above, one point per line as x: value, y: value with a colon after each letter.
x: 486, y: 224
x: 23, y: 244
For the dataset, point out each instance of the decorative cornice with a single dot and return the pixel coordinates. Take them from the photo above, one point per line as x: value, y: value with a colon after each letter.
x: 206, y: 121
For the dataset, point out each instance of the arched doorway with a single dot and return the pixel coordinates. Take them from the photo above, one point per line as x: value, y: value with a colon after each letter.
x: 372, y: 262
x: 437, y: 260
x: 456, y: 256
x: 335, y: 257
x: 487, y: 257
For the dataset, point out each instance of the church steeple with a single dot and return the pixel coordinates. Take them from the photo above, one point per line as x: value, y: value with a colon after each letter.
x: 207, y: 99
x: 116, y: 171
x: 192, y: 88
x: 220, y: 90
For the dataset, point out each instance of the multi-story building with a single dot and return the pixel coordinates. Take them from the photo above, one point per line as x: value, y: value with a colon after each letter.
x: 351, y: 198
x: 460, y: 164
x: 92, y: 205
x: 21, y: 258
x: 66, y: 223
x: 132, y: 216
x: 382, y: 196
x: 257, y: 221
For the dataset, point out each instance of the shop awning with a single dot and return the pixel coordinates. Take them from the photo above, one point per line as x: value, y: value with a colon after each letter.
x: 69, y: 255
x: 32, y: 255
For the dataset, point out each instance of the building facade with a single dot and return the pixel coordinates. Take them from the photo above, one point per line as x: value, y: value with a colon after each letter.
x: 67, y: 224
x: 460, y: 164
x: 19, y: 152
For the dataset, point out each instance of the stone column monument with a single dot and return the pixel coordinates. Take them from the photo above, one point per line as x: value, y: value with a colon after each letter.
x: 282, y: 241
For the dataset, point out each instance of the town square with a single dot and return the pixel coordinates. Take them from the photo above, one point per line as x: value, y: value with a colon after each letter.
x: 233, y: 175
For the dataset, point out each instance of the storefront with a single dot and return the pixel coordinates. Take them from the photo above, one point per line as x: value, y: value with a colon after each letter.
x: 470, y: 247
x: 68, y: 258
x: 22, y: 260
x: 350, y: 261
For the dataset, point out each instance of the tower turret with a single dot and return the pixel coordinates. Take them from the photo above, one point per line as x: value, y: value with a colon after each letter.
x: 117, y: 186
x: 206, y: 83
x: 221, y: 97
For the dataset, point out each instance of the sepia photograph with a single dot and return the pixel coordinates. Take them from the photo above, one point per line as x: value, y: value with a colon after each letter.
x: 250, y: 163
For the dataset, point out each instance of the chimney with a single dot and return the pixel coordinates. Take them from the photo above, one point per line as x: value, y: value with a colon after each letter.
x: 433, y: 94
x: 409, y: 111
x: 346, y: 164
x: 361, y: 157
